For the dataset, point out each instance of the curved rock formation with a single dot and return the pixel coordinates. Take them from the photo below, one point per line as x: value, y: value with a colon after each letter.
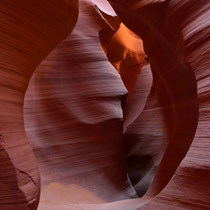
x: 74, y: 119
x: 94, y: 151
x: 125, y: 52
x: 174, y: 38
x: 29, y: 31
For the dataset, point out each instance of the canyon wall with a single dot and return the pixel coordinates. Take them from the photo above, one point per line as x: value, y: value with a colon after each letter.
x: 108, y: 104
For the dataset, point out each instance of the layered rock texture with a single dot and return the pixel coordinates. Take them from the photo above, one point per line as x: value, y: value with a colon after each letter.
x: 29, y: 31
x: 73, y: 114
x: 107, y: 102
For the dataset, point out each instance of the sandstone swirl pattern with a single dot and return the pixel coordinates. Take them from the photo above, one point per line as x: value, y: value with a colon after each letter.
x: 105, y: 122
x: 29, y: 30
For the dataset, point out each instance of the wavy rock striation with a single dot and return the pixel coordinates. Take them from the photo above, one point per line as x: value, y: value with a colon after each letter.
x: 74, y: 119
x: 175, y: 37
x: 95, y: 147
x: 26, y: 29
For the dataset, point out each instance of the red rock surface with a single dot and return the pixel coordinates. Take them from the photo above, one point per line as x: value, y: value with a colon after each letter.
x: 26, y: 27
x: 74, y: 119
x: 176, y: 40
x: 125, y: 52
x: 95, y: 148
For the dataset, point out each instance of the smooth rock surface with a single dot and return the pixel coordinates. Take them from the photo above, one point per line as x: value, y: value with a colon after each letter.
x: 74, y: 119
x: 101, y: 138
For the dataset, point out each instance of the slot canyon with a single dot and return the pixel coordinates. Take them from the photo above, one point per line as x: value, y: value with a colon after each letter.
x: 105, y: 104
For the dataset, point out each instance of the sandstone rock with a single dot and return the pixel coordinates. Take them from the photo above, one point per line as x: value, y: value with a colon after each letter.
x: 26, y: 29
x: 120, y: 108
